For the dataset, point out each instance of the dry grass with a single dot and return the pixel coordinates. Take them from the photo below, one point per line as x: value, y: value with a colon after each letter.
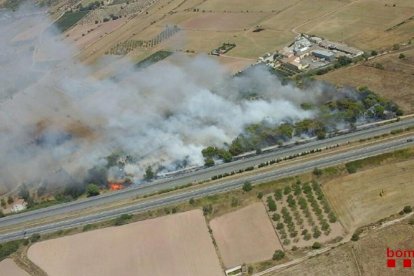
x: 337, y: 262
x: 234, y: 64
x: 394, y: 82
x: 86, y: 34
x: 9, y: 267
x: 245, y: 236
x: 370, y: 251
x: 243, y: 5
x: 363, y: 23
x: 298, y: 13
x: 221, y: 21
x: 356, y: 197
x: 365, y: 257
x: 171, y: 245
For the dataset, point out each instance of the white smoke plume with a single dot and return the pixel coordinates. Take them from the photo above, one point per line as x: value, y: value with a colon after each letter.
x: 55, y: 117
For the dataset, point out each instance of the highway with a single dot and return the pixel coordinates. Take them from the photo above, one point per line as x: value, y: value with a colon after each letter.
x: 260, y: 177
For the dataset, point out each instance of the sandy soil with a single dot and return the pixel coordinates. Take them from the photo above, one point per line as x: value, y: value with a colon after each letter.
x: 9, y: 268
x: 172, y: 245
x: 245, y: 236
x: 356, y: 197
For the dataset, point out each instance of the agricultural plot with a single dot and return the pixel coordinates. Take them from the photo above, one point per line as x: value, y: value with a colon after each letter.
x: 83, y: 35
x: 370, y: 251
x: 302, y: 215
x: 365, y: 257
x: 234, y: 64
x: 127, y: 46
x: 154, y: 58
x: 69, y: 19
x: 238, y: 6
x: 373, y: 194
x: 339, y: 261
x: 222, y: 21
x: 9, y: 267
x: 177, y: 244
x: 389, y: 76
x: 245, y: 236
x: 378, y: 28
x: 115, y: 10
x: 297, y: 13
x: 235, y: 21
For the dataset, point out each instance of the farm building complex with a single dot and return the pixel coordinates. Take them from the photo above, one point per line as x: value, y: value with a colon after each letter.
x: 308, y: 52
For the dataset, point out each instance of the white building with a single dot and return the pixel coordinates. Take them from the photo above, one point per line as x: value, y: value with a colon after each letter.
x: 18, y: 206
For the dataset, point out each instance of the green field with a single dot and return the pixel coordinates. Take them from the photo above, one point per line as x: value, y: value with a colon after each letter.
x: 154, y: 58
x: 69, y: 19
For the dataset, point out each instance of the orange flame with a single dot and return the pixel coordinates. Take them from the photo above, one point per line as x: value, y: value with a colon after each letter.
x: 115, y: 186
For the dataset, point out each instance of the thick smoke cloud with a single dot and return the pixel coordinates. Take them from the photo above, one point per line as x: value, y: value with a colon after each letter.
x: 56, y: 121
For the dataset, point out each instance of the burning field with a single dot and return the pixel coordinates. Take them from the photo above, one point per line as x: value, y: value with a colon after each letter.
x: 61, y: 126
x: 69, y: 123
x: 172, y: 245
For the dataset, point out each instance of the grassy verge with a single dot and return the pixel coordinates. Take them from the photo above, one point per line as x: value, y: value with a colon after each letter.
x: 8, y: 248
x: 399, y: 155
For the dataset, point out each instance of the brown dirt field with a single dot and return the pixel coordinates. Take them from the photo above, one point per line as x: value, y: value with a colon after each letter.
x: 394, y: 82
x: 222, y: 21
x: 171, y: 245
x: 356, y: 199
x: 245, y: 236
x: 365, y: 257
x: 9, y: 268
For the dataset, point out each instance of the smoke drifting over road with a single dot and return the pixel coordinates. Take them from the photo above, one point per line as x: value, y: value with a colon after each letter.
x: 57, y: 122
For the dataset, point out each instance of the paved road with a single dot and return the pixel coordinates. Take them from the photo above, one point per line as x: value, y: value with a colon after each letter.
x: 199, y: 175
x: 224, y: 186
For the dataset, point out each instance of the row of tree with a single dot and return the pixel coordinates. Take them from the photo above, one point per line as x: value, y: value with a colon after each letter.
x: 346, y: 108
